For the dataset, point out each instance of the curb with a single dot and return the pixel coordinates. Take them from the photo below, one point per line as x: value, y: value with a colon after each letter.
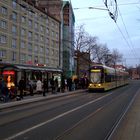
x: 37, y: 99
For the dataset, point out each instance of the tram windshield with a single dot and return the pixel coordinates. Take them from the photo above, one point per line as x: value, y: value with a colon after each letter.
x: 95, y: 77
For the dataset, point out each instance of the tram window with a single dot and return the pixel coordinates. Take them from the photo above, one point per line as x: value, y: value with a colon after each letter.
x: 107, y: 78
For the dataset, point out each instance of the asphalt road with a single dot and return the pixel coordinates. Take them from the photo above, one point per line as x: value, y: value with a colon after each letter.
x: 81, y: 116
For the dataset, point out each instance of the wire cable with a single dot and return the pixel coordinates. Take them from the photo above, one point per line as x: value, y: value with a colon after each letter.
x: 113, y: 17
x: 132, y: 46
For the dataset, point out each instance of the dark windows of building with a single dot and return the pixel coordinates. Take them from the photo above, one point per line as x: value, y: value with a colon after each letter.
x: 3, y: 24
x: 4, y: 10
x: 3, y: 39
x: 14, y: 16
x: 14, y: 43
x: 13, y: 56
x: 14, y: 4
x: 2, y: 53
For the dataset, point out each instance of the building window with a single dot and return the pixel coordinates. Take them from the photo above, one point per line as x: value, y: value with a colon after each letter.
x: 56, y: 26
x: 52, y: 51
x: 52, y: 24
x: 47, y: 41
x: 36, y: 26
x: 3, y: 24
x: 47, y: 51
x: 14, y: 16
x: 47, y: 60
x: 47, y: 20
x: 3, y: 39
x: 23, y: 7
x: 14, y: 4
x: 56, y: 35
x: 30, y: 47
x: 22, y: 44
x: 41, y: 49
x: 13, y: 56
x: 41, y: 38
x: 53, y: 44
x: 41, y: 28
x: 47, y: 30
x: 14, y: 29
x: 23, y: 32
x: 31, y: 12
x: 29, y: 58
x: 4, y: 10
x: 41, y: 60
x: 14, y: 43
x: 36, y: 49
x: 2, y: 53
x: 30, y: 35
x: 23, y: 19
x: 36, y: 37
x: 22, y: 58
x: 52, y: 33
x: 30, y: 23
x: 36, y: 59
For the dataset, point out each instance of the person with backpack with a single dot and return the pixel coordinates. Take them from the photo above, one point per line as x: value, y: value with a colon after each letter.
x: 45, y: 87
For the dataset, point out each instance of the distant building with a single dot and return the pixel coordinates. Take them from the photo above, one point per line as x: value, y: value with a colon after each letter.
x: 135, y: 73
x: 119, y: 67
x: 62, y: 11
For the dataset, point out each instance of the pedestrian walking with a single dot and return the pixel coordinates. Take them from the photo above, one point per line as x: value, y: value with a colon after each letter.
x: 4, y: 91
x: 62, y: 84
x: 45, y: 87
x: 39, y: 86
x: 52, y: 84
x: 30, y: 87
x: 21, y: 87
x: 69, y: 83
x: 56, y: 85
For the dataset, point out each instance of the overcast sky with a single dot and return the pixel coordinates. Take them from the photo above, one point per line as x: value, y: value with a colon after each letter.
x: 123, y: 35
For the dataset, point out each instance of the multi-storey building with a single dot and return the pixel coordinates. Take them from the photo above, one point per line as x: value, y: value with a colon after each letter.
x: 29, y: 39
x: 62, y: 10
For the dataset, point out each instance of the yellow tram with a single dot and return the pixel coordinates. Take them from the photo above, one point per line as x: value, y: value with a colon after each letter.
x: 105, y: 78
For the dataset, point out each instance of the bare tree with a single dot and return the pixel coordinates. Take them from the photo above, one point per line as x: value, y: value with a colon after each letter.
x: 83, y: 43
x: 99, y: 52
x: 113, y: 58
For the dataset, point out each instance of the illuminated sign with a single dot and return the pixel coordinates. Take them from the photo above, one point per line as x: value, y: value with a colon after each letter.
x: 8, y: 72
x: 95, y: 70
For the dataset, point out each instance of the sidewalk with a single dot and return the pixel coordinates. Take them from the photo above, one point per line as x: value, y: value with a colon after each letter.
x: 129, y: 128
x: 29, y: 99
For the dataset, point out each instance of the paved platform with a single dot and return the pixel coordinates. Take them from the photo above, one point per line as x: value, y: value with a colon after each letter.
x: 36, y: 97
x: 129, y: 128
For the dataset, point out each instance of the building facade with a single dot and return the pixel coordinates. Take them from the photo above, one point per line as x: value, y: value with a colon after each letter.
x: 29, y: 38
x: 62, y: 10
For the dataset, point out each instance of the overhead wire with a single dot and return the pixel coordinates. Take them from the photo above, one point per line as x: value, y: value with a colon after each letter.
x: 100, y: 7
x: 114, y: 18
x: 132, y: 46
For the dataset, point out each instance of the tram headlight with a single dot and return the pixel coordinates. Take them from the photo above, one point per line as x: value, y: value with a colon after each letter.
x: 99, y: 85
x: 90, y: 85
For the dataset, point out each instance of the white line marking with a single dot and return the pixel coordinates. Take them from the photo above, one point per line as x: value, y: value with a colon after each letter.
x: 57, y: 117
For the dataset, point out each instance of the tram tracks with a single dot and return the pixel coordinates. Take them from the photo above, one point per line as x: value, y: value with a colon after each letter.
x: 101, y: 103
x: 108, y: 136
